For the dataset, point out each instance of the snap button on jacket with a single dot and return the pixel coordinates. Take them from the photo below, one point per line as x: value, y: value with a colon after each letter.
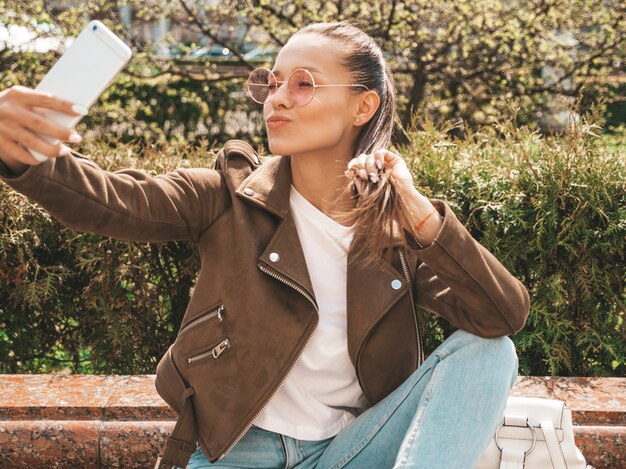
x: 253, y: 308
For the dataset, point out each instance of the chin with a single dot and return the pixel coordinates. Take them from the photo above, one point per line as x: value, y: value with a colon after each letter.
x: 281, y: 146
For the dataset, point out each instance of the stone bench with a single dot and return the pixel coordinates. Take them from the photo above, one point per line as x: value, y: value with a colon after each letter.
x: 120, y: 421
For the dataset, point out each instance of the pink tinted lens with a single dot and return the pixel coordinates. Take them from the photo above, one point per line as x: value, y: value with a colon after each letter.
x: 301, y: 87
x: 261, y: 83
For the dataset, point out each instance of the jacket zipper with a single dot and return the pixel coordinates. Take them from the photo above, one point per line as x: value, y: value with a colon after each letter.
x: 292, y: 285
x: 215, y: 352
x: 217, y: 313
x: 417, y: 330
x: 312, y: 300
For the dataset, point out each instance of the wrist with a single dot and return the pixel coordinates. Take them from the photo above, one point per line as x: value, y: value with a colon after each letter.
x: 424, y: 219
x: 406, y: 188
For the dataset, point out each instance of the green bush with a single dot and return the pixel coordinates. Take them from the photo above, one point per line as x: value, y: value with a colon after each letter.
x: 85, y: 303
x: 552, y: 209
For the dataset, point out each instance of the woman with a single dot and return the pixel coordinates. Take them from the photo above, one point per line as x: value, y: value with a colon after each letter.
x: 317, y: 357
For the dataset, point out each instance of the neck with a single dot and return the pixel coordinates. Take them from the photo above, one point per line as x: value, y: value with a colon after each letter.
x: 319, y: 177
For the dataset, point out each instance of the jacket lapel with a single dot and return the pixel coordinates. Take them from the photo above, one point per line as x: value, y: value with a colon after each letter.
x: 371, y: 291
x: 269, y: 187
x: 284, y: 256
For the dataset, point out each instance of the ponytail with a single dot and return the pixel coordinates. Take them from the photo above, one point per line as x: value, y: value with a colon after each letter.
x: 379, y: 209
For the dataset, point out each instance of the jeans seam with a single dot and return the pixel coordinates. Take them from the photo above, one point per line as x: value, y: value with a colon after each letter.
x: 443, y: 354
x: 424, y: 407
x: 366, y: 440
x: 284, y: 447
x: 302, y: 454
x: 356, y: 449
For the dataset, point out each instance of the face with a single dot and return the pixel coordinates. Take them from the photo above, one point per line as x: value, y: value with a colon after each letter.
x: 327, y: 121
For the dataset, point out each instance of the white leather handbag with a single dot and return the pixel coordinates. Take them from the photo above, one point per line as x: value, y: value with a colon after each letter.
x: 534, y: 434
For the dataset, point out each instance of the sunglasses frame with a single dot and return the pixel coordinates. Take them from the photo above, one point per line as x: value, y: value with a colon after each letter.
x: 280, y: 83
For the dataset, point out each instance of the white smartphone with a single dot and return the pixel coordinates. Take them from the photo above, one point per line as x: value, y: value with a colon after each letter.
x: 82, y: 73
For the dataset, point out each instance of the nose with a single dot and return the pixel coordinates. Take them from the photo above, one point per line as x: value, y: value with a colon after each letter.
x: 281, y: 97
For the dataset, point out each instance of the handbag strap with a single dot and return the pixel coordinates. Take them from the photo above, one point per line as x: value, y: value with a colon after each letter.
x: 554, y: 447
x: 516, y: 459
x: 512, y: 458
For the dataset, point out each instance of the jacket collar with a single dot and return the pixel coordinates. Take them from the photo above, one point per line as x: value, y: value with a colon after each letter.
x: 269, y: 185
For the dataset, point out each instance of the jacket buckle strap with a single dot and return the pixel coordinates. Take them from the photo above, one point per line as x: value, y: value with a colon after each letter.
x: 163, y: 465
x: 182, y: 443
x: 175, y: 455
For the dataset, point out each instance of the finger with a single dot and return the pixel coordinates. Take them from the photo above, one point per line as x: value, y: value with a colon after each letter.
x: 389, y: 156
x: 360, y: 166
x: 358, y: 185
x: 379, y: 159
x: 28, y: 139
x: 9, y: 147
x: 390, y: 159
x: 351, y: 172
x: 370, y: 166
x: 44, y: 99
x: 34, y: 121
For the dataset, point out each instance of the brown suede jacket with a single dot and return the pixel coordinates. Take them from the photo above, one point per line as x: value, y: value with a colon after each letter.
x: 253, y: 308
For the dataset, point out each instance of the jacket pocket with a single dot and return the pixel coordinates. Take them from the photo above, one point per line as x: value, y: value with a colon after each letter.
x: 204, y: 338
x: 212, y: 353
x: 208, y: 316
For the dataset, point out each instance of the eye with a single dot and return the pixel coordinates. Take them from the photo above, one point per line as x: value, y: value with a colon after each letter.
x: 271, y: 83
x: 305, y: 84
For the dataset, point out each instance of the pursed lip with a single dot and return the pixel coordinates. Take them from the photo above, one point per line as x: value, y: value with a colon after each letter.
x: 277, y: 118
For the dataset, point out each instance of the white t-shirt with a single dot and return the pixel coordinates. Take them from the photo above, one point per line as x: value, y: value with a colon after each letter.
x: 322, y: 395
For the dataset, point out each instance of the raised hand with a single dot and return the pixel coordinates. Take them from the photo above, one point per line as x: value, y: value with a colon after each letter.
x: 21, y: 120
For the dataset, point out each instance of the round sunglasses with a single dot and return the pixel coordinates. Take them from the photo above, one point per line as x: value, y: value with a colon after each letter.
x: 262, y: 84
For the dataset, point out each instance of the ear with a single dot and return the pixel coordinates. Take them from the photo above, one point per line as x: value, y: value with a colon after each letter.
x: 368, y: 103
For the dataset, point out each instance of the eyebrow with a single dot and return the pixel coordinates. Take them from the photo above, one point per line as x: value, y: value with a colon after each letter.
x: 310, y: 69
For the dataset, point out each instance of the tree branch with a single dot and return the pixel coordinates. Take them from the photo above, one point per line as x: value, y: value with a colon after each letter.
x: 187, y: 74
x: 278, y: 14
x: 194, y: 19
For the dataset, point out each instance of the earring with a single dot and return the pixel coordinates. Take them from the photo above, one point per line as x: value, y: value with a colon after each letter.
x: 357, y: 119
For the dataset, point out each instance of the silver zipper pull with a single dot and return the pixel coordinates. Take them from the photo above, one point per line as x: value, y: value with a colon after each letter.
x: 219, y: 312
x: 219, y: 348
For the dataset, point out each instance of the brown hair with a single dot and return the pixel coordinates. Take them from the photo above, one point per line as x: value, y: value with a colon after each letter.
x: 379, y: 207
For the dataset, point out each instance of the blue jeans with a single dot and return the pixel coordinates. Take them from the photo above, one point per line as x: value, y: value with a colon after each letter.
x: 442, y: 416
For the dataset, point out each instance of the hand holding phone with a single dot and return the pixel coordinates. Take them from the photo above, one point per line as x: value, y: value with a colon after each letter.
x: 84, y: 71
